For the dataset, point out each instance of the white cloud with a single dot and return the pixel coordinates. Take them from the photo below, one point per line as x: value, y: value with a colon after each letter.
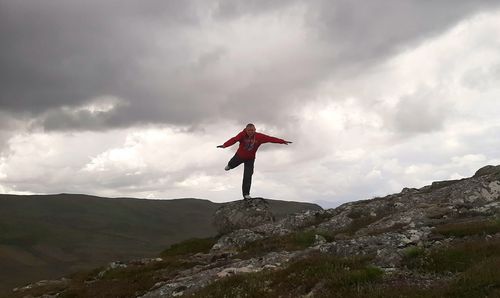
x: 123, y: 159
x: 44, y: 163
x: 2, y: 168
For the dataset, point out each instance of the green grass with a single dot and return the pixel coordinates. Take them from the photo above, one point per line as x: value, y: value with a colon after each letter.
x: 359, y: 223
x: 461, y: 257
x: 132, y: 280
x: 469, y: 228
x: 333, y: 277
x: 479, y: 280
x: 119, y: 282
x: 128, y: 282
x: 457, y: 258
x: 476, y: 266
x: 190, y: 246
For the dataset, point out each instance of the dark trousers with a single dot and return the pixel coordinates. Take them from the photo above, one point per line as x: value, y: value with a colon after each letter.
x: 247, y: 173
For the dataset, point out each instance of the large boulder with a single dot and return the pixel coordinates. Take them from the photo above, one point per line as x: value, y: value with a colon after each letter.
x: 242, y: 214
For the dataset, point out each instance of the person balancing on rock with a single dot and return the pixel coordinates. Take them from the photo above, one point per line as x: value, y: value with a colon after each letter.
x: 249, y: 143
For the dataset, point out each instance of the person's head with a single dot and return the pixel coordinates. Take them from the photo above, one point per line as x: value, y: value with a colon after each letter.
x: 250, y: 129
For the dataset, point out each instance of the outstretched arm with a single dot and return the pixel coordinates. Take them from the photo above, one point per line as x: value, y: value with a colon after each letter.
x: 269, y: 139
x: 231, y: 141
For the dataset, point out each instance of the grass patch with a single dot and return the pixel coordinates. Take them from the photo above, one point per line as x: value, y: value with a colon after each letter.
x: 326, y: 275
x: 476, y: 264
x: 458, y: 258
x: 413, y: 252
x: 393, y: 228
x: 469, y: 228
x: 132, y: 281
x: 359, y: 223
x: 191, y: 246
x: 480, y: 280
x: 414, y: 257
x: 128, y: 282
x: 461, y: 257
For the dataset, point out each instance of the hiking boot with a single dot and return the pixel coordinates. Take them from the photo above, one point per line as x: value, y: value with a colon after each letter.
x: 227, y: 168
x: 247, y: 197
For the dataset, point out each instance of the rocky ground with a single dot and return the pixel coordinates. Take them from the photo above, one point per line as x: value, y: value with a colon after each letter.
x: 396, y: 245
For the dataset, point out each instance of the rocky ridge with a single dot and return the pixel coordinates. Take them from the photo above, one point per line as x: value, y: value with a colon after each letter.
x: 383, y: 228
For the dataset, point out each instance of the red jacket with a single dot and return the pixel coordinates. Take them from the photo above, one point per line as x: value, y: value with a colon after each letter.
x: 248, y: 146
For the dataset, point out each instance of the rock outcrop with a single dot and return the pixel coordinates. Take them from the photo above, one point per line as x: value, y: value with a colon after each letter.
x: 242, y: 215
x: 382, y: 227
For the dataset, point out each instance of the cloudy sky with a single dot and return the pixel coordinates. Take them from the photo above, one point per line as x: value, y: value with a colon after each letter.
x: 130, y: 98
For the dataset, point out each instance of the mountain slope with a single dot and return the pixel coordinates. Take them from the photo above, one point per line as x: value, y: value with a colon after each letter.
x: 47, y: 236
x: 442, y: 240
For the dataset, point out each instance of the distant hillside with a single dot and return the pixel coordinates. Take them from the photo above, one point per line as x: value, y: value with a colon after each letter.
x: 48, y: 236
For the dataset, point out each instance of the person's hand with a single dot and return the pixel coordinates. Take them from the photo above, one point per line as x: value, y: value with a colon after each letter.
x: 287, y: 142
x: 220, y: 146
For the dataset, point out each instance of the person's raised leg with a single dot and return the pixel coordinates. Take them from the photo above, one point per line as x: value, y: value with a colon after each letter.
x: 247, y: 178
x: 233, y: 163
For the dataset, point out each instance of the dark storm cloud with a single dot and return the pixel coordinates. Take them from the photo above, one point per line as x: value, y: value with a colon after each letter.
x: 237, y: 8
x: 59, y: 54
x: 368, y: 30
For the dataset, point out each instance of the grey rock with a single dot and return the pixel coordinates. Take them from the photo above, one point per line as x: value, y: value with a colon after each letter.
x: 43, y: 283
x: 112, y: 266
x: 336, y: 223
x: 293, y: 222
x: 242, y: 214
x: 487, y: 170
x: 300, y: 220
x: 387, y: 247
x: 408, y: 190
x: 319, y: 240
x: 271, y: 229
x: 191, y: 283
x: 235, y: 240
